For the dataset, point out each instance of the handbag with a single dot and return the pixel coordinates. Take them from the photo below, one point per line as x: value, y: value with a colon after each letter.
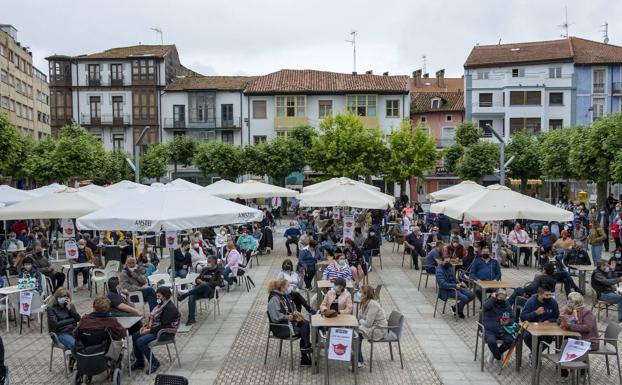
x: 330, y: 313
x: 114, y: 350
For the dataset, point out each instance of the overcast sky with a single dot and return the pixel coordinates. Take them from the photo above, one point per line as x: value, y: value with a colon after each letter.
x: 247, y: 37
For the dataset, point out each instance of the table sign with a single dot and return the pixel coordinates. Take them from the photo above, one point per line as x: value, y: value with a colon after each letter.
x: 340, y: 344
x: 69, y: 231
x: 71, y: 249
x: 336, y: 213
x: 574, y: 349
x: 171, y: 239
x: 348, y: 227
x: 25, y: 302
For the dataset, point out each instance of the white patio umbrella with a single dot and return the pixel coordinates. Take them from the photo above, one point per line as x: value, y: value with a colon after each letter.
x: 67, y: 203
x: 95, y: 189
x: 182, y: 183
x: 253, y: 189
x: 10, y: 195
x: 127, y: 185
x: 498, y: 203
x: 54, y: 187
x: 457, y: 190
x: 346, y: 192
x: 223, y: 189
x: 332, y: 181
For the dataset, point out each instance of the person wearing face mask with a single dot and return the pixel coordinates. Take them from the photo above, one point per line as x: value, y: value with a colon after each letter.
x: 454, y: 250
x: 338, y: 269
x: 197, y: 256
x: 484, y: 268
x: 563, y: 245
x: 517, y: 237
x: 371, y: 247
x: 597, y: 239
x: 85, y: 255
x: 221, y: 241
x: 359, y: 237
x: 292, y: 236
x: 577, y: 255
x: 309, y: 255
x: 133, y: 279
x: 338, y: 298
x: 63, y: 318
x: 28, y: 270
x: 546, y: 240
x: 183, y: 260
x: 413, y: 243
x: 206, y: 283
x: 615, y: 262
x: 295, y: 283
x: 448, y: 285
x: 45, y: 268
x: 604, y: 281
x: 148, y: 262
x: 497, y: 317
x: 233, y: 260
x: 583, y: 320
x: 433, y: 238
x: 246, y: 243
x: 12, y: 244
x: 355, y: 260
x: 541, y: 307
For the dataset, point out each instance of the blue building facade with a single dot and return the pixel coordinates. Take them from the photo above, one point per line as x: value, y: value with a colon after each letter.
x: 598, y: 93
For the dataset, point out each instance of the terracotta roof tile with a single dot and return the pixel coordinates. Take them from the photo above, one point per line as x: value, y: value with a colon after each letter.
x: 421, y: 102
x: 573, y: 49
x: 429, y: 85
x: 224, y: 83
x: 158, y: 51
x: 312, y: 81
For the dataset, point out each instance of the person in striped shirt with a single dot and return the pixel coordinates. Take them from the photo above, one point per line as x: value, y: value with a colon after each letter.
x: 338, y: 269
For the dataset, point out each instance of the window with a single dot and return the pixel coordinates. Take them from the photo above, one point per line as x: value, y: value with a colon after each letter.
x: 116, y: 72
x: 435, y: 103
x: 525, y: 98
x: 42, y: 97
x: 143, y: 69
x: 60, y: 105
x: 282, y: 134
x: 484, y: 125
x: 2, y: 50
x: 361, y: 105
x: 59, y: 71
x: 485, y: 99
x: 556, y: 99
x: 4, y: 76
x: 203, y: 108
x: 423, y: 119
x: 598, y: 81
x: 448, y: 135
x: 226, y: 115
x: 258, y: 139
x: 179, y: 115
x: 227, y: 136
x: 117, y: 142
x: 481, y: 75
x: 144, y: 104
x: 555, y: 72
x: 290, y: 106
x: 94, y: 73
x: 598, y: 108
x: 325, y: 108
x: 117, y: 107
x: 259, y: 109
x: 449, y: 118
x: 95, y: 107
x: 518, y: 72
x: 393, y: 108
x: 4, y: 102
x: 524, y: 124
x: 556, y: 123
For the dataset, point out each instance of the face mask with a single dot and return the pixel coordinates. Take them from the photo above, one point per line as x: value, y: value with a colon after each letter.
x: 617, y: 255
x: 341, y: 262
x: 372, y: 234
x: 500, y: 301
x: 289, y: 290
x: 210, y: 266
x: 485, y: 256
x: 606, y: 270
x: 62, y: 301
x: 287, y: 267
x: 132, y: 269
x: 159, y: 301
x: 81, y: 247
x: 196, y: 245
x: 223, y: 233
x: 546, y: 300
x: 447, y: 265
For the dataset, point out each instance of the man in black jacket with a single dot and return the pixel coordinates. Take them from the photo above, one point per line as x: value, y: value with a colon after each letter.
x: 183, y: 260
x: 206, y: 284
x: 604, y: 282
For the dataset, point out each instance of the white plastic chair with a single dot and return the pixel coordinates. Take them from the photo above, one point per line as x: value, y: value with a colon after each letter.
x: 160, y: 279
x: 102, y: 275
x: 136, y: 299
x: 37, y: 306
x: 163, y: 266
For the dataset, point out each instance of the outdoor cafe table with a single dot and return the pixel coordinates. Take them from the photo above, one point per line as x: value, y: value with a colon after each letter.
x: 341, y: 321
x: 321, y: 265
x: 326, y: 284
x: 540, y: 330
x: 6, y: 291
x: 77, y: 266
x: 127, y: 323
x: 535, y: 251
x: 582, y: 269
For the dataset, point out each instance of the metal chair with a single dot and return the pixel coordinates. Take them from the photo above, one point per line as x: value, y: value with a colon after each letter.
x: 601, y: 305
x: 57, y: 345
x: 377, y: 292
x: 215, y: 300
x: 394, y: 327
x: 102, y: 275
x: 573, y: 367
x: 158, y: 342
x: 292, y: 338
x: 480, y: 334
x: 169, y: 379
x: 424, y: 271
x: 406, y: 251
x: 455, y: 298
x: 609, y: 346
x: 375, y: 253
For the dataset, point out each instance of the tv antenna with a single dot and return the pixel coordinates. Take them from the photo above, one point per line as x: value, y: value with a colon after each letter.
x: 159, y: 32
x: 424, y: 58
x: 565, y: 26
x: 353, y: 42
x: 605, y: 32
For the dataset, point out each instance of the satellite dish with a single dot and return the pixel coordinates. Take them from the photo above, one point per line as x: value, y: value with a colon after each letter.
x: 606, y: 40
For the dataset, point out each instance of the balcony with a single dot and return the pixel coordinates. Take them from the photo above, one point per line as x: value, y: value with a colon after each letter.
x: 234, y: 122
x: 116, y: 80
x: 105, y: 120
x: 616, y: 88
x: 93, y: 81
x: 173, y: 123
x: 599, y: 88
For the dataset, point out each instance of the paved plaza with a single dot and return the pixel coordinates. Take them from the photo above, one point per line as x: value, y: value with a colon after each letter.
x: 229, y: 349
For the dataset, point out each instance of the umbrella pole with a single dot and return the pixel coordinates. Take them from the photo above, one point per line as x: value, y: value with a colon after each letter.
x: 133, y: 245
x: 172, y: 268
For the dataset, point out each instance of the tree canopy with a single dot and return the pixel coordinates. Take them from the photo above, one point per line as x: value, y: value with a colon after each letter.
x: 411, y: 153
x: 182, y: 150
x: 154, y: 163
x: 220, y: 158
x: 525, y: 149
x: 78, y: 154
x: 479, y: 160
x: 467, y: 133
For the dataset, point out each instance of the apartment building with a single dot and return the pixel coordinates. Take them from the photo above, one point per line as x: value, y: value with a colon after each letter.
x: 115, y: 93
x: 537, y: 86
x: 24, y: 91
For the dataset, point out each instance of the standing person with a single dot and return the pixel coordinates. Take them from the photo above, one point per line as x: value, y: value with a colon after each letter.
x: 517, y: 237
x: 233, y: 261
x: 579, y: 233
x: 133, y: 279
x: 85, y: 255
x: 183, y: 260
x: 414, y: 244
x: 205, y: 287
x: 597, y: 239
x: 444, y: 227
x: 63, y: 318
x: 497, y: 318
x: 292, y: 236
x: 616, y: 221
x: 372, y: 320
x: 309, y: 255
x: 164, y: 316
x: 604, y: 281
x: 448, y: 284
x: 541, y: 307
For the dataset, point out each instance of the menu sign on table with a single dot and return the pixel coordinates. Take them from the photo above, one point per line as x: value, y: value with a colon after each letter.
x: 340, y: 348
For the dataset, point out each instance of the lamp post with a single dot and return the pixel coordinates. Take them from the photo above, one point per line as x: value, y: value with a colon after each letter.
x: 139, y: 142
x: 502, y: 163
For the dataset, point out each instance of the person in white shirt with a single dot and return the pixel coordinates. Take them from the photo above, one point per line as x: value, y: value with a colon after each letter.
x: 517, y: 237
x: 199, y: 259
x: 295, y: 283
x: 405, y: 225
x: 221, y: 241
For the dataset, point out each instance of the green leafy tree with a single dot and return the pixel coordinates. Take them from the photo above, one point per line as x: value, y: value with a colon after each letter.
x: 411, y: 153
x: 23, y: 147
x: 78, y: 154
x: 345, y: 148
x: 553, y: 155
x: 223, y: 159
x: 182, y: 150
x: 525, y: 149
x: 154, y: 163
x: 114, y: 168
x: 452, y: 156
x: 479, y: 160
x: 305, y: 135
x: 276, y: 159
x: 467, y: 134
x: 40, y: 163
x: 9, y: 140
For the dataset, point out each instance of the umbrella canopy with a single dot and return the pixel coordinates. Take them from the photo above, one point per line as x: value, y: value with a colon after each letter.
x: 346, y: 192
x: 223, y: 189
x: 66, y: 203
x: 253, y: 189
x: 45, y: 190
x: 182, y: 183
x: 332, y: 181
x: 10, y: 195
x: 127, y: 185
x: 457, y: 190
x: 95, y: 189
x: 169, y: 210
x: 498, y: 203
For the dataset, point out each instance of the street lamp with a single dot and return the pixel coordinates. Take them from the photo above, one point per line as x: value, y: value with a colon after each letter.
x: 139, y: 142
x: 502, y: 162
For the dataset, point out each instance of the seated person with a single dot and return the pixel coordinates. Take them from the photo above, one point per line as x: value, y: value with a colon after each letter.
x: 85, y: 255
x: 448, y: 285
x: 604, y: 281
x: 246, y: 243
x: 100, y: 319
x: 563, y: 245
x: 359, y: 237
x: 197, y: 257
x: 233, y: 259
x: 414, y: 244
x: 148, y: 262
x: 562, y: 275
x: 454, y: 250
x: 282, y: 311
x: 28, y: 270
x: 206, y: 283
x: 338, y: 269
x: 546, y: 280
x: 63, y: 318
x: 577, y: 255
x: 371, y: 246
x: 292, y: 236
x: 506, y: 255
x: 433, y: 258
x: 484, y: 268
x: 546, y: 240
x: 164, y: 316
x: 372, y: 320
x: 354, y: 258
x: 433, y: 237
x: 43, y: 265
x: 305, y: 238
x: 338, y: 299
x: 221, y: 241
x: 517, y: 237
x: 541, y: 307
x: 580, y: 318
x: 119, y: 304
x: 295, y: 283
x: 132, y: 279
x: 498, y: 324
x: 183, y: 260
x: 309, y: 255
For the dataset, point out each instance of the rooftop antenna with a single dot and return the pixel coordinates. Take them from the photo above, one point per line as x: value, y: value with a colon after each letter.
x: 159, y: 31
x: 425, y: 60
x: 565, y: 25
x: 605, y: 32
x: 353, y: 42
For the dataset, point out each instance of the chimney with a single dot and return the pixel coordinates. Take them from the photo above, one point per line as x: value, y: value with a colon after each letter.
x: 417, y: 77
x: 440, y: 78
x: 353, y: 72
x: 426, y: 76
x: 385, y: 73
x: 369, y: 72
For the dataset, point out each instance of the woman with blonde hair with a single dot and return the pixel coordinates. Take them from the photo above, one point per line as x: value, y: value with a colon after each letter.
x: 581, y: 319
x: 372, y: 320
x: 63, y: 318
x: 233, y: 260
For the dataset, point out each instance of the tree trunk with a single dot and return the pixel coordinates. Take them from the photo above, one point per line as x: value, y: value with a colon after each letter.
x: 523, y: 185
x: 601, y: 194
x: 402, y: 187
x: 174, y: 170
x: 414, y: 193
